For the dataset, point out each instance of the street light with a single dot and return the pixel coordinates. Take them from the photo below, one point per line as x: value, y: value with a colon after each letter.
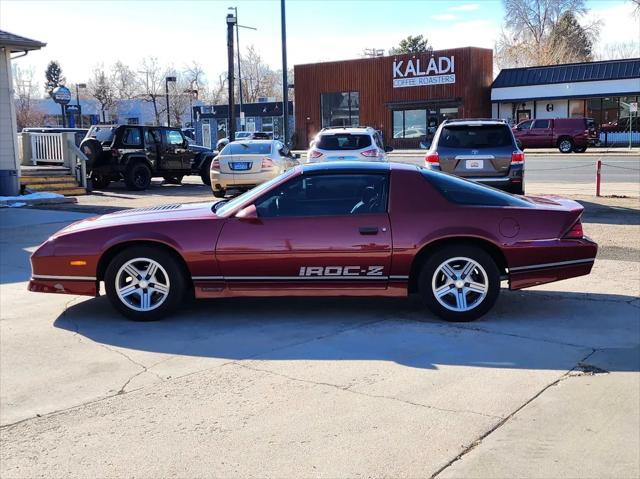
x: 78, y: 86
x: 285, y: 81
x: 191, y: 92
x: 238, y: 27
x: 166, y: 91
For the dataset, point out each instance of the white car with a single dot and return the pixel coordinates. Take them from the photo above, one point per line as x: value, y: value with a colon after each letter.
x: 241, y: 165
x: 348, y: 144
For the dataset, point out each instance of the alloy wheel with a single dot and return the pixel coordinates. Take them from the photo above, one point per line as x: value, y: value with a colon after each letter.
x: 460, y: 284
x: 142, y: 284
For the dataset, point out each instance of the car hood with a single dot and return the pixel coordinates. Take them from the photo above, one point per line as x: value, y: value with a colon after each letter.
x: 139, y: 216
x: 199, y: 148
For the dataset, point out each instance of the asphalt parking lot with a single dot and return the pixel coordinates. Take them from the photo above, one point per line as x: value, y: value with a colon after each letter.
x: 546, y: 385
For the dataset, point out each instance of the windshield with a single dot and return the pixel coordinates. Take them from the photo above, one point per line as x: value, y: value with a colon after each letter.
x: 247, y: 149
x: 251, y: 194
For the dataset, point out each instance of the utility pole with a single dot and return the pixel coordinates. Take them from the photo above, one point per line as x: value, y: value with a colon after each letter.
x: 238, y: 27
x: 231, y: 127
x: 166, y: 91
x: 285, y: 79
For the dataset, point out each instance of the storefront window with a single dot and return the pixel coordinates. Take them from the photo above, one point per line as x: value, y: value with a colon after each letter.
x: 609, y: 110
x: 340, y: 109
x: 420, y: 123
x: 398, y: 124
x: 576, y: 108
x: 594, y: 109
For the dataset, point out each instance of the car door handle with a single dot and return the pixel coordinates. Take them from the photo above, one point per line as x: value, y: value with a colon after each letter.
x: 368, y: 230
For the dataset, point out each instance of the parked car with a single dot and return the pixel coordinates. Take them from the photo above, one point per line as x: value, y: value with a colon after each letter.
x: 348, y: 144
x: 332, y: 229
x: 566, y: 134
x: 484, y: 151
x: 241, y: 165
x: 622, y: 125
x: 244, y: 135
x: 138, y: 153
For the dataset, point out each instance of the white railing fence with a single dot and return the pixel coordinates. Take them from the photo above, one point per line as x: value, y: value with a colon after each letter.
x: 46, y: 147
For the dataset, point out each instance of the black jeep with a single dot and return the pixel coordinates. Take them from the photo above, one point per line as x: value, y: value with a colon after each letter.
x: 138, y: 153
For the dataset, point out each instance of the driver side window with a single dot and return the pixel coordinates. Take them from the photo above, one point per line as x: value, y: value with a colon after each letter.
x: 526, y: 125
x: 326, y: 195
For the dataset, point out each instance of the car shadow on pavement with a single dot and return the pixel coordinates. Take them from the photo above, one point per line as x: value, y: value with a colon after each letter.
x: 526, y: 330
x: 610, y: 215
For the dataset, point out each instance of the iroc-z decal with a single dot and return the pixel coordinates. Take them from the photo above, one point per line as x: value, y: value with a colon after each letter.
x: 332, y: 271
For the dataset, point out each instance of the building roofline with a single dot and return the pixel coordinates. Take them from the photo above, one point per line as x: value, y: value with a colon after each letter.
x: 599, y: 62
x: 18, y: 43
x: 388, y: 56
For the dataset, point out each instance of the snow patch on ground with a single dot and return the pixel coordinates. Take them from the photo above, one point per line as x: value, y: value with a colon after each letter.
x: 23, y: 200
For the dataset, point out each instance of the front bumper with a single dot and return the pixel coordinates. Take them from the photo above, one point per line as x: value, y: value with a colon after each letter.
x: 64, y: 285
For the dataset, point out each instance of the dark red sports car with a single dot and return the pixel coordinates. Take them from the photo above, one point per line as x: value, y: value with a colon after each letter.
x: 332, y: 229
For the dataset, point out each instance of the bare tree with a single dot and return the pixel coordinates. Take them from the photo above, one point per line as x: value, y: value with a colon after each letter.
x: 101, y: 88
x: 125, y: 82
x: 257, y: 78
x: 217, y: 93
x: 27, y: 112
x: 152, y: 85
x: 528, y: 37
x: 619, y: 50
x: 179, y: 98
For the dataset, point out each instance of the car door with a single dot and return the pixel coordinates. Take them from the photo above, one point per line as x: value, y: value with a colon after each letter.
x: 173, y: 150
x: 522, y: 131
x: 152, y: 145
x: 319, y: 231
x: 541, y: 135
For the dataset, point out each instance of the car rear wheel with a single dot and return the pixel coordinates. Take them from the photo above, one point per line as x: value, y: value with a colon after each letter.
x: 137, y: 177
x: 565, y: 145
x: 459, y: 283
x: 205, y: 176
x: 144, y: 283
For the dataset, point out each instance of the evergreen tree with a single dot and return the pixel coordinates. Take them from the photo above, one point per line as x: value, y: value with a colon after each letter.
x: 54, y: 77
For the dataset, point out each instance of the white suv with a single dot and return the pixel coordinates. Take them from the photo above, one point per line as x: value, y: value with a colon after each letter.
x: 347, y: 144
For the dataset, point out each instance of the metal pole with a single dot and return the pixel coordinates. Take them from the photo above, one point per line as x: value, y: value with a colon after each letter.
x: 598, y: 175
x: 235, y: 9
x: 64, y: 115
x: 166, y: 92
x: 285, y: 80
x: 79, y: 107
x: 191, y: 104
x: 231, y: 127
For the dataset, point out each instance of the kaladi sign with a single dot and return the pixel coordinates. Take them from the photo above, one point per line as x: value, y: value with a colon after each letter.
x: 423, y: 72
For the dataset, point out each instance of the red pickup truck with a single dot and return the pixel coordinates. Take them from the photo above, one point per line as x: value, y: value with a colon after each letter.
x: 566, y: 134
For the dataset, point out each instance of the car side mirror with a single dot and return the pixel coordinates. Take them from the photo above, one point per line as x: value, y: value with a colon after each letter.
x: 519, y: 128
x: 388, y: 149
x: 248, y: 213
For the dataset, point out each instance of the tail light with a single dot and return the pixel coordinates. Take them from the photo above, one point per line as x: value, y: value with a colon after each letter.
x: 315, y: 154
x: 517, y: 158
x: 432, y: 159
x: 369, y: 153
x: 576, y: 231
x: 267, y: 163
x: 215, y: 165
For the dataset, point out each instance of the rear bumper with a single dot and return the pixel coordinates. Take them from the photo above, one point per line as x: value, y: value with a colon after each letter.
x: 515, y: 177
x: 554, y: 262
x: 223, y: 181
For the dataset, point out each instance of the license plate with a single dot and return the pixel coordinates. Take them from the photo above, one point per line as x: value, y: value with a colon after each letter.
x: 240, y: 165
x: 475, y: 164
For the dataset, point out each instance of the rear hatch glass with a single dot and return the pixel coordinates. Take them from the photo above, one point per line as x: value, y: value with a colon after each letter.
x: 343, y: 142
x: 475, y: 137
x: 102, y: 134
x: 247, y: 149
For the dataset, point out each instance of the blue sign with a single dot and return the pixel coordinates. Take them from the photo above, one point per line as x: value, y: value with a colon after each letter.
x: 61, y: 95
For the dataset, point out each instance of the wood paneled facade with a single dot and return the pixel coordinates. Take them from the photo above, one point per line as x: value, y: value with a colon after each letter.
x: 373, y: 79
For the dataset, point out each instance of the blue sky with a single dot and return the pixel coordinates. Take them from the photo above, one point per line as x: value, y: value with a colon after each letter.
x: 82, y: 34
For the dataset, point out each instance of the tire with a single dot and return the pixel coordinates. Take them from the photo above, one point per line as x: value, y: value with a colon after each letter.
x: 92, y: 150
x: 168, y: 274
x: 516, y: 189
x: 580, y: 149
x: 565, y: 145
x: 100, y: 182
x: 485, y: 275
x: 219, y: 193
x: 205, y: 176
x: 137, y: 177
x: 173, y: 180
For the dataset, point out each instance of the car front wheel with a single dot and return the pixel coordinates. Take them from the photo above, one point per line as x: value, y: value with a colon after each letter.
x: 460, y: 283
x: 144, y: 283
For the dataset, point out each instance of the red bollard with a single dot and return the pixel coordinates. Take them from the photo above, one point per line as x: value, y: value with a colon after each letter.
x: 598, y: 170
